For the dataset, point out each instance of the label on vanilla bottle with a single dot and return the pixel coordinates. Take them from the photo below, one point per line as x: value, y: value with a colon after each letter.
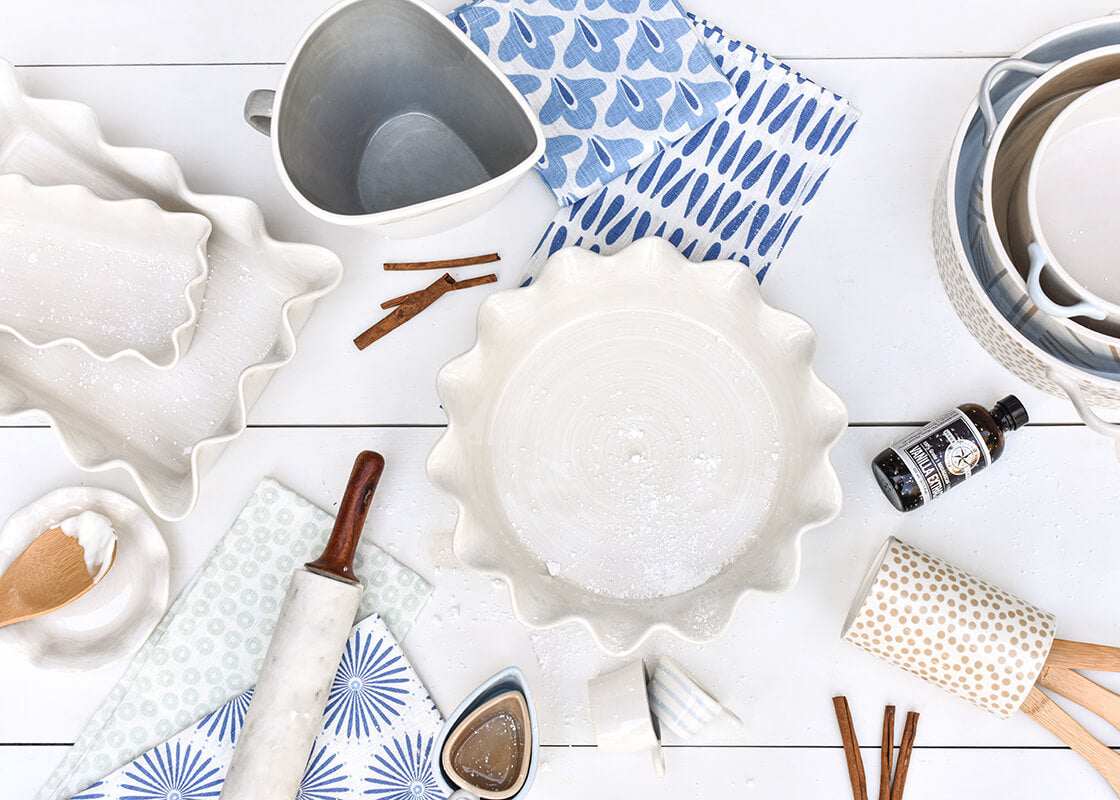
x: 943, y: 453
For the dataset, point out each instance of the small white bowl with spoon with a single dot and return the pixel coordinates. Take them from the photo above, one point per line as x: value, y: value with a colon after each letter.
x: 93, y: 545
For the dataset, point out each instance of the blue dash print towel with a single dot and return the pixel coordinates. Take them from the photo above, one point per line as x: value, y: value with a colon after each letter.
x: 376, y: 742
x: 612, y: 81
x: 736, y: 188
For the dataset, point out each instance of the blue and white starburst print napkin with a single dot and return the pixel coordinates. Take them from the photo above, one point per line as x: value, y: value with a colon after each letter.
x: 210, y: 645
x: 612, y: 81
x: 376, y: 741
x: 735, y: 189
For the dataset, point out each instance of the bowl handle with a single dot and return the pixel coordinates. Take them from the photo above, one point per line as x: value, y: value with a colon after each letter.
x: 1040, y: 298
x: 258, y: 110
x: 1088, y: 416
x: 987, y: 110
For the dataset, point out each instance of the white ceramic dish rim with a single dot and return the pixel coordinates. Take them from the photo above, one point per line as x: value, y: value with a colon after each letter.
x: 415, y: 210
x: 142, y: 161
x: 179, y: 337
x: 1074, y: 286
x: 47, y: 510
x: 442, y: 462
x: 1066, y: 377
x: 1007, y: 121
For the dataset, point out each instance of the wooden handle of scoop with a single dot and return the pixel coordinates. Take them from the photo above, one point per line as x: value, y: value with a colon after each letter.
x: 1039, y: 707
x: 1083, y: 691
x: 1080, y: 655
x: 337, y: 559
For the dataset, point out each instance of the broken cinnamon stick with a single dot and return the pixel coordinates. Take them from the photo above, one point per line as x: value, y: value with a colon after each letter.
x: 405, y: 311
x: 851, y: 748
x: 909, y: 733
x: 463, y: 284
x: 445, y: 264
x: 886, y: 752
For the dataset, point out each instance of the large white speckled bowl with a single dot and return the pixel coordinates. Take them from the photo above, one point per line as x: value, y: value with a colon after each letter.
x: 636, y: 442
x: 985, y: 293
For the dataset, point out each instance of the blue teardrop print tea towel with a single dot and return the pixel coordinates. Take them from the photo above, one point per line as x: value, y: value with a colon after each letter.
x: 736, y: 188
x: 376, y: 741
x: 612, y: 81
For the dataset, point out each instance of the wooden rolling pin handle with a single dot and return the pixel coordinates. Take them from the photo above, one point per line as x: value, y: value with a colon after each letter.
x: 1083, y: 691
x: 337, y: 559
x: 1039, y: 707
x: 1080, y: 655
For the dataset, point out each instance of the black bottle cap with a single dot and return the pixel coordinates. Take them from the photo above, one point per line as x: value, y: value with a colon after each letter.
x: 1010, y: 413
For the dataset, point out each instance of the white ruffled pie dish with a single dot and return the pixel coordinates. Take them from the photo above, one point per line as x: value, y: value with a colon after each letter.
x: 635, y: 442
x: 163, y: 427
x: 114, y: 278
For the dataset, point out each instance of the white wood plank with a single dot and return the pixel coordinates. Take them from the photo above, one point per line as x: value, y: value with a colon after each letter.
x: 25, y: 769
x: 800, y: 774
x: 214, y: 31
x: 1039, y: 523
x: 742, y: 773
x: 860, y: 268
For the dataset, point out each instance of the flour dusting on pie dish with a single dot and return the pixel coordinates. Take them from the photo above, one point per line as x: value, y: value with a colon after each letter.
x: 636, y: 441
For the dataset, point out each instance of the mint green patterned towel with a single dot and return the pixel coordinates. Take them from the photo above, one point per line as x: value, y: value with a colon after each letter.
x: 210, y: 645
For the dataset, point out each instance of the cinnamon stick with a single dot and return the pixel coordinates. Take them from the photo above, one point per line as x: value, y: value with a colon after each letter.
x: 886, y: 752
x: 851, y: 748
x: 909, y: 733
x: 464, y: 284
x: 445, y: 264
x: 405, y: 311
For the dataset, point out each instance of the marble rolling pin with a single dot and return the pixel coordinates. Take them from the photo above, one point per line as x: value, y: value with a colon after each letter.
x: 286, y: 711
x: 982, y: 644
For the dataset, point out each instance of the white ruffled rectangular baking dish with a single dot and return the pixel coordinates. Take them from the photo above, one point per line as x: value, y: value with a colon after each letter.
x: 113, y: 277
x: 161, y: 426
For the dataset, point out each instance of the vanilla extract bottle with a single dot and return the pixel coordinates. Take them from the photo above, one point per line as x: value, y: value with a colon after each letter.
x: 947, y: 451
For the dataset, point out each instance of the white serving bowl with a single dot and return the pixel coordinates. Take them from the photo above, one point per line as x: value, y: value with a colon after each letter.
x: 1048, y: 357
x: 1073, y: 205
x: 635, y: 442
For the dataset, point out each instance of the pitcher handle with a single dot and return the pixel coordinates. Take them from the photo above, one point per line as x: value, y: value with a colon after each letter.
x: 258, y: 110
x: 987, y: 110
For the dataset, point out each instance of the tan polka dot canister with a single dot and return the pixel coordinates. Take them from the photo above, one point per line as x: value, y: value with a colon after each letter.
x: 950, y: 628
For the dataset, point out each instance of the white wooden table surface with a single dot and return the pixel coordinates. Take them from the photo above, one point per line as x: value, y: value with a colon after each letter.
x: 173, y: 74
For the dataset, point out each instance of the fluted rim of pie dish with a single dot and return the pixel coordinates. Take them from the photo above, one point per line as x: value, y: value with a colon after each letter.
x: 703, y: 612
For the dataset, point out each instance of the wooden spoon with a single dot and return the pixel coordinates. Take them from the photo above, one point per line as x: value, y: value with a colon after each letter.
x: 1081, y: 655
x: 1086, y: 692
x: 1039, y: 707
x: 49, y: 574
